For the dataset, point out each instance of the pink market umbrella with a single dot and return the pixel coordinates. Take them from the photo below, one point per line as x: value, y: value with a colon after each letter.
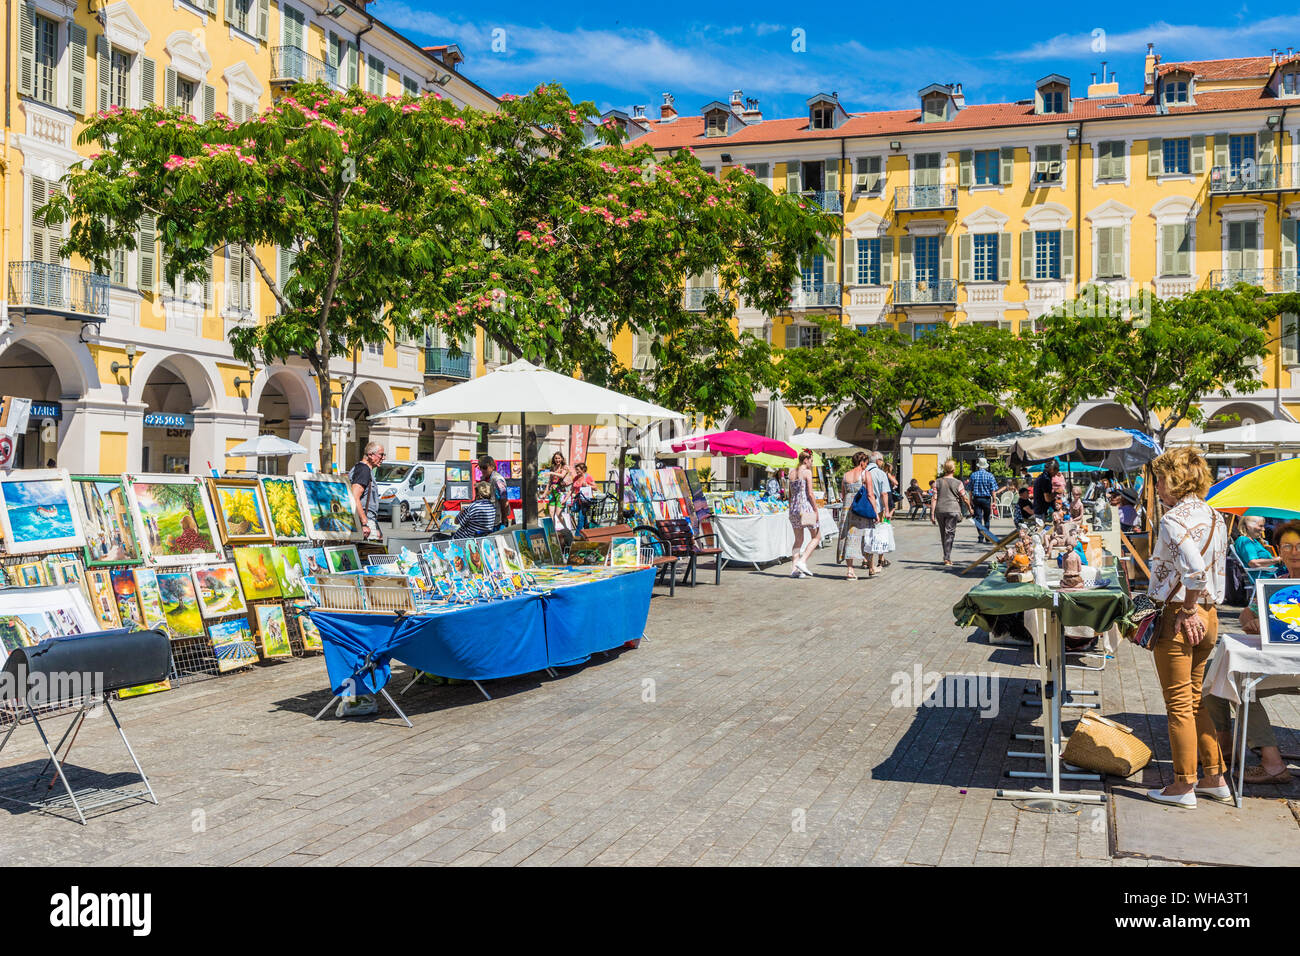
x: 735, y: 443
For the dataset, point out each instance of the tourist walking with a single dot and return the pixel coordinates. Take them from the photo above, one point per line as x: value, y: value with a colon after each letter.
x: 1187, y: 581
x: 557, y: 486
x: 878, y: 540
x: 803, y: 515
x: 855, y: 529
x: 983, y: 486
x: 949, y: 496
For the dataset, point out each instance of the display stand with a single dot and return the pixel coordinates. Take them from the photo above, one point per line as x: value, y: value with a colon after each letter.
x: 367, y: 670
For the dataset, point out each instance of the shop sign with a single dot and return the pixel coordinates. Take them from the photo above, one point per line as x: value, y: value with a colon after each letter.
x: 47, y: 410
x: 169, y: 420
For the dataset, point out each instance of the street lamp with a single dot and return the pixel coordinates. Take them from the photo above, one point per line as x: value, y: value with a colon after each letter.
x: 130, y: 361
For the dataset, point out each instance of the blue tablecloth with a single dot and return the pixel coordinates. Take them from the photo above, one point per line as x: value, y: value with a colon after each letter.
x: 486, y: 641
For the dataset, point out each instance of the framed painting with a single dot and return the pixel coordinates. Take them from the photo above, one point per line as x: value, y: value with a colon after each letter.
x: 343, y: 559
x: 313, y: 561
x: 150, y: 598
x: 284, y: 509
x: 538, y: 546
x: 242, y: 515
x: 257, y: 572
x: 524, y: 548
x: 128, y: 605
x: 173, y: 519
x: 274, y: 631
x: 311, y: 640
x: 102, y: 599
x: 232, y: 643
x: 180, y: 604
x: 288, y: 570
x: 1278, y: 601
x: 218, y: 591
x: 29, y: 617
x: 106, y: 521
x: 552, y: 541
x: 327, y: 507
x: 37, y: 512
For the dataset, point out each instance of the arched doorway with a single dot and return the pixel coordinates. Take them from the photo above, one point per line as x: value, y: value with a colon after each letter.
x: 1111, y: 415
x: 173, y: 391
x: 975, y: 425
x: 286, y: 407
x: 27, y: 373
x: 854, y: 428
x: 1236, y: 415
x: 367, y: 399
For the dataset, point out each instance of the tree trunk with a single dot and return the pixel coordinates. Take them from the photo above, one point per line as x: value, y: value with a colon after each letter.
x: 326, y: 385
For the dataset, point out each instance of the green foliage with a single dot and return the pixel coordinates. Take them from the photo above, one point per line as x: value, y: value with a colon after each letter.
x: 1157, y: 357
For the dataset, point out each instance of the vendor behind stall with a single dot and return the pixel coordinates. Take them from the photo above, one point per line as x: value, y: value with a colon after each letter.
x: 479, y: 517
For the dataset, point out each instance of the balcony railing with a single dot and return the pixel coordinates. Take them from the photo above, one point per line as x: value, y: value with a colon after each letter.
x: 826, y: 295
x: 925, y: 292
x: 1271, y: 280
x: 291, y: 65
x: 57, y: 288
x: 442, y: 362
x: 925, y: 197
x: 829, y: 201
x: 1249, y: 177
x: 693, y: 297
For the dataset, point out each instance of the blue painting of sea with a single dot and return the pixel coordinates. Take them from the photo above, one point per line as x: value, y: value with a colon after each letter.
x: 30, y: 524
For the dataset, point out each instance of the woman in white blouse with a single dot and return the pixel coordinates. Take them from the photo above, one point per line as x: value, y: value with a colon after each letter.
x: 1187, y: 579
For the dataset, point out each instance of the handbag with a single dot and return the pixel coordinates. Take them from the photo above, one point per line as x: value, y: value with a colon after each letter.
x: 1106, y: 746
x: 862, y: 506
x: 1146, y: 622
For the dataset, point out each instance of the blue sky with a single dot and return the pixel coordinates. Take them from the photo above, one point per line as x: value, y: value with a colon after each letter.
x: 875, y: 58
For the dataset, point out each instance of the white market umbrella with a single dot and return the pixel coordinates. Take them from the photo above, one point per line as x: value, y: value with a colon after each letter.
x: 1000, y: 444
x: 820, y: 442
x: 1068, y: 440
x: 1270, y: 434
x: 523, y: 394
x: 266, y: 446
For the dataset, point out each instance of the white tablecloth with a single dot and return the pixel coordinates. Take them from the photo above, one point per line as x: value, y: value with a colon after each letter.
x: 760, y: 538
x: 1240, y: 655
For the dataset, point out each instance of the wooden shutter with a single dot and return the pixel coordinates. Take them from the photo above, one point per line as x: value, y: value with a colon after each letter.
x: 207, y: 284
x: 964, y: 270
x: 791, y: 335
x: 26, y: 49
x: 1155, y: 156
x: 886, y: 260
x: 792, y: 181
x: 1290, y: 330
x: 1198, y: 155
x: 1221, y: 150
x: 354, y: 65
x: 1168, y: 250
x: 1250, y: 246
x: 1007, y: 174
x: 1004, y: 257
x: 103, y: 73
x: 410, y: 87
x: 209, y: 102
x: 169, y: 88
x: 77, y: 68
x: 263, y: 19
x: 146, y: 256
x: 905, y: 259
x: 1067, y: 253
x: 832, y: 176
x: 1289, y: 248
x: 148, y: 71
x: 965, y: 168
x: 761, y: 172
x: 1026, y: 256
x: 1267, y: 151
x: 851, y: 261
x: 230, y: 12
x: 287, y: 259
x: 829, y: 272
x: 45, y: 240
x: 1236, y: 242
x: 945, y: 258
x: 1105, y: 239
x: 294, y: 27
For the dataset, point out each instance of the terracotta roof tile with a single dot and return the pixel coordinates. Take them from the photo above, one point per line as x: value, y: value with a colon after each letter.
x: 1236, y: 68
x: 689, y: 130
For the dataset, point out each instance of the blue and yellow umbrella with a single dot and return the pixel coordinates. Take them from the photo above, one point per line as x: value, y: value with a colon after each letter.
x: 1271, y: 490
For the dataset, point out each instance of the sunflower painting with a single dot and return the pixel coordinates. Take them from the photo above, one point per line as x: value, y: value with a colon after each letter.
x: 285, y: 512
x: 241, y: 510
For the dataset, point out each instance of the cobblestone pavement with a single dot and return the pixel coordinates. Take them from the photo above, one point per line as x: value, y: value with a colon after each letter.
x: 755, y: 726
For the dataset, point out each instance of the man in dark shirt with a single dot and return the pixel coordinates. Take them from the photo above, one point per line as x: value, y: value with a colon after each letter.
x: 1044, y: 497
x: 361, y: 480
x: 479, y: 517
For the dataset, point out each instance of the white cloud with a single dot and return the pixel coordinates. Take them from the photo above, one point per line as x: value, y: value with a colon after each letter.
x: 1176, y: 41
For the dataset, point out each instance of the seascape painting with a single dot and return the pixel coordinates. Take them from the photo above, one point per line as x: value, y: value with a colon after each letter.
x: 37, y: 512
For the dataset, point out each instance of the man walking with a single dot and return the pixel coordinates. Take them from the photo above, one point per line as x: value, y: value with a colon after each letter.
x: 983, y: 486
x: 365, y: 493
x: 880, y: 482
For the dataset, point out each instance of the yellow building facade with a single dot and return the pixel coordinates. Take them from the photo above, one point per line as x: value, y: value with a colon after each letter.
x: 994, y: 213
x: 127, y: 373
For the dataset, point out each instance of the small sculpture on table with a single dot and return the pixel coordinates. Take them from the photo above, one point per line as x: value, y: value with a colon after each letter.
x: 1072, y: 567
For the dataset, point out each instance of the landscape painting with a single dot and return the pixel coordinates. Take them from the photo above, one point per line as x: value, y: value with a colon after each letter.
x: 150, y: 598
x: 257, y: 572
x: 103, y: 601
x: 241, y: 510
x: 328, y: 508
x: 37, y: 513
x: 232, y: 643
x: 274, y: 631
x: 124, y: 590
x: 180, y: 604
x: 287, y: 523
x: 106, y: 521
x: 218, y: 591
x: 310, y: 633
x: 174, y: 521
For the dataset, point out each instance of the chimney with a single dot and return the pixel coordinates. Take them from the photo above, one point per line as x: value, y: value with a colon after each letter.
x: 667, y: 112
x: 1149, y: 68
x: 737, y: 102
x: 752, y: 113
x: 638, y: 112
x: 958, y: 97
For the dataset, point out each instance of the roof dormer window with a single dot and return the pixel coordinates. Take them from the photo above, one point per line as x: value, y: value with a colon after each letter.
x: 935, y: 109
x: 823, y: 117
x: 1291, y: 83
x: 1052, y: 94
x: 1175, y: 92
x: 1053, y: 101
x: 825, y: 111
x: 715, y: 124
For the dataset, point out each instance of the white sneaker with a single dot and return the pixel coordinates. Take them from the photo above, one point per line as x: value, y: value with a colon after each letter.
x: 1187, y: 799
x: 356, y: 707
x: 1221, y: 794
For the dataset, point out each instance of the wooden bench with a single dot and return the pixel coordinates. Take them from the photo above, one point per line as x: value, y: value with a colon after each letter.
x: 685, y: 544
x: 665, y: 561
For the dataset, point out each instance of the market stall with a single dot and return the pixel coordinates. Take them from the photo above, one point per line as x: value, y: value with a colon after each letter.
x: 759, y: 538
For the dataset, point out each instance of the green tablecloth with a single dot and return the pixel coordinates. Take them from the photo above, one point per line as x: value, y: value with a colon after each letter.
x: 1098, y: 607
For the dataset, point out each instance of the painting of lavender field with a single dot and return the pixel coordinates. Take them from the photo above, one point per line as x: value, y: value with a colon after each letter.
x: 38, y: 513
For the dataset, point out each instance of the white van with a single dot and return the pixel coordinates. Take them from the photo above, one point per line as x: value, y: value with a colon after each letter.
x: 405, y: 485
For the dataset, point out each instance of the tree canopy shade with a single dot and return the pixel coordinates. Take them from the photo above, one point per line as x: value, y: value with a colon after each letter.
x: 393, y: 213
x: 1157, y: 357
x: 896, y: 382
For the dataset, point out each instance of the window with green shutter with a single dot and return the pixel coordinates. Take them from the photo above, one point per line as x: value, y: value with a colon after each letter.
x: 988, y: 167
x: 1110, y: 159
x: 1176, y: 249
x: 45, y: 238
x: 45, y: 59
x: 867, y: 178
x: 1176, y: 156
x: 1110, y: 252
x: 1048, y: 168
x: 1289, y: 344
x: 410, y: 87
x: 868, y: 264
x: 376, y: 70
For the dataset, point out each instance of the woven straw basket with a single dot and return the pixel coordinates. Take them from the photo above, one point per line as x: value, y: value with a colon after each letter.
x: 1106, y: 746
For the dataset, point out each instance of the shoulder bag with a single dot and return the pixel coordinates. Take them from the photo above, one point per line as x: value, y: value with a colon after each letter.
x: 1147, y: 614
x: 862, y: 506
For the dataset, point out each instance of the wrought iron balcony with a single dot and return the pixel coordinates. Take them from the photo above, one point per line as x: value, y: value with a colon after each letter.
x: 925, y: 292
x: 1270, y: 280
x: 826, y: 295
x: 1249, y: 177
x: 925, y: 197
x: 292, y: 65
x: 829, y: 201
x: 442, y: 363
x: 57, y: 288
x: 693, y: 297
